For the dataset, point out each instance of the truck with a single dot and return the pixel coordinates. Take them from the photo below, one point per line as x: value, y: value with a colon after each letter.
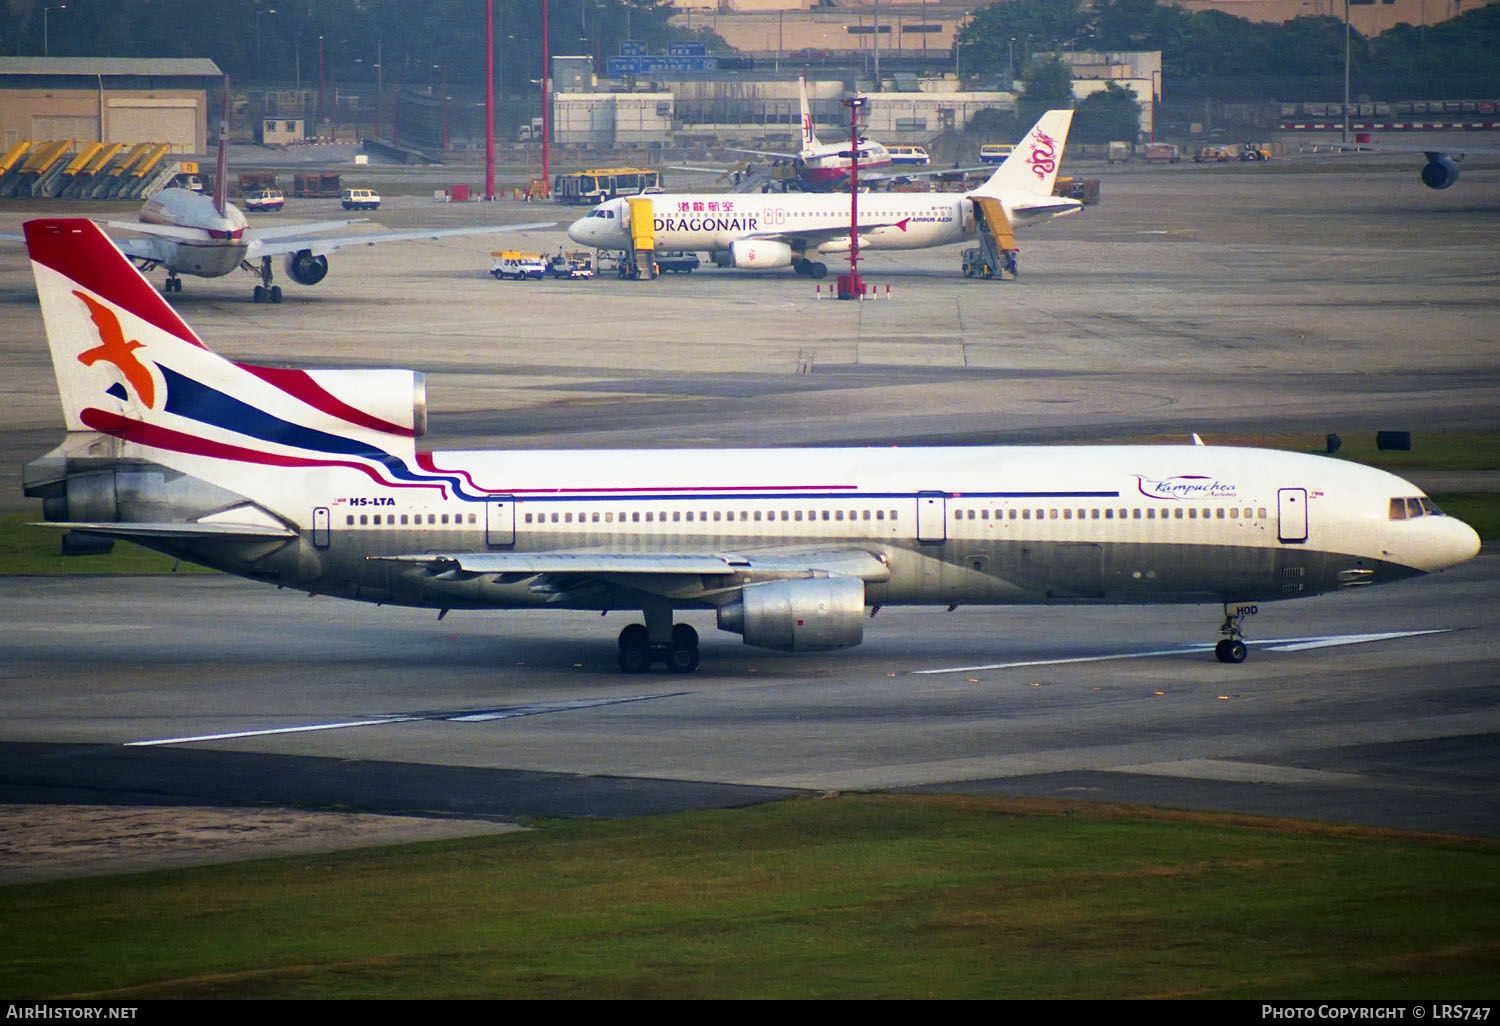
x: 573, y: 265
x: 316, y: 184
x: 509, y: 263
x: 1162, y: 153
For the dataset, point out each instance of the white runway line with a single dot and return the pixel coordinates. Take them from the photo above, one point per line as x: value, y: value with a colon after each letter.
x: 1273, y: 644
x: 458, y: 716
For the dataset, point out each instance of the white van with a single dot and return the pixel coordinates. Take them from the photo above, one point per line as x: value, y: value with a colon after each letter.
x: 360, y: 199
x: 995, y: 153
x: 911, y: 156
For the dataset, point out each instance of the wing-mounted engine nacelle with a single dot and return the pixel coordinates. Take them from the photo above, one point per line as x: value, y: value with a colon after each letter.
x: 805, y: 615
x: 1440, y: 172
x: 756, y: 253
x: 305, y: 269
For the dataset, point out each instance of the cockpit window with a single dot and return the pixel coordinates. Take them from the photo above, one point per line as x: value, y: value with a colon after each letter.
x: 1413, y: 507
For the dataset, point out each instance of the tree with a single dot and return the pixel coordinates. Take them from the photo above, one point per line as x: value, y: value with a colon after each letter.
x: 1110, y: 114
x: 1046, y: 85
x: 1020, y: 27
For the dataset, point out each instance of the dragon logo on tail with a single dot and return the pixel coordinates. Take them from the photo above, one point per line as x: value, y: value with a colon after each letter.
x: 1043, y: 156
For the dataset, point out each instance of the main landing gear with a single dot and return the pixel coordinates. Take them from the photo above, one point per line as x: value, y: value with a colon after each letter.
x: 265, y: 292
x: 811, y: 268
x: 638, y: 652
x: 1232, y: 649
x: 172, y: 284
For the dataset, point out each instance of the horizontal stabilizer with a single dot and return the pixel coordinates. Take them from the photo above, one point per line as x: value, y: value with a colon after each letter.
x: 170, y: 529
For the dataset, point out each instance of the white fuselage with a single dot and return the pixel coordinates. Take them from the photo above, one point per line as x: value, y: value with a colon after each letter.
x: 710, y: 223
x: 213, y: 256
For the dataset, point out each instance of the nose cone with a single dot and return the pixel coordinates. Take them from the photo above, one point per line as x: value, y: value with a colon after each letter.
x: 1446, y: 541
x: 579, y: 232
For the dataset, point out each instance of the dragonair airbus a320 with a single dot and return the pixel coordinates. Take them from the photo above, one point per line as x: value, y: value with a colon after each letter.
x: 792, y: 230
x: 312, y: 480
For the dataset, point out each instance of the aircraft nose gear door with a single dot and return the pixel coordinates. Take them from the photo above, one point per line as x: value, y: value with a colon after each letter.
x: 932, y: 517
x: 1291, y: 515
x: 500, y: 522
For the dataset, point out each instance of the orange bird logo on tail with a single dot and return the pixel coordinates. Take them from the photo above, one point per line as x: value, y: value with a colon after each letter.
x: 114, y: 349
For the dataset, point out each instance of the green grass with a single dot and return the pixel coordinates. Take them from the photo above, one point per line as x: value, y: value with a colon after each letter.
x: 858, y: 896
x: 25, y: 549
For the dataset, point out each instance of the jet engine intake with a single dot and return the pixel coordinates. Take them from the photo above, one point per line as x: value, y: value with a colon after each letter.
x: 1440, y: 172
x: 305, y: 269
x: 805, y: 615
x: 759, y: 253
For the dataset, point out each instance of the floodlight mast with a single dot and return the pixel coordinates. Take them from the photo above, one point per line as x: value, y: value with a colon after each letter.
x: 850, y: 285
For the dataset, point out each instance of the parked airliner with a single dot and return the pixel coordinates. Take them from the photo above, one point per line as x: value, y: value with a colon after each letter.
x: 789, y: 230
x: 207, y: 236
x: 313, y: 480
x: 821, y: 166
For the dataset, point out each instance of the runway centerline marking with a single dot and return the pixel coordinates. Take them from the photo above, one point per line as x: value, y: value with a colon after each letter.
x: 453, y: 716
x: 1271, y: 644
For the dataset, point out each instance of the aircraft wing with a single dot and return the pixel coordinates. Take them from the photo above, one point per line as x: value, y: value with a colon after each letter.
x: 646, y: 571
x: 263, y: 247
x: 281, y: 231
x: 764, y: 153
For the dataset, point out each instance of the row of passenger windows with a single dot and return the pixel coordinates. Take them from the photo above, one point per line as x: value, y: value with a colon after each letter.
x: 1135, y: 513
x: 414, y: 519
x: 1400, y: 510
x: 714, y: 516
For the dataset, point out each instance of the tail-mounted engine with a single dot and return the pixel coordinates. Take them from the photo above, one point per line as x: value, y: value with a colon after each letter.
x: 804, y: 615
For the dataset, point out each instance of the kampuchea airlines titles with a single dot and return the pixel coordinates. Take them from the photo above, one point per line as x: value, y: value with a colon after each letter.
x: 312, y: 479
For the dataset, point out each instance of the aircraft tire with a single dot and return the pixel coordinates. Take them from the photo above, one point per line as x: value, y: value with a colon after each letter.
x: 1230, y: 650
x: 682, y: 653
x: 259, y: 294
x: 275, y: 293
x: 818, y: 269
x: 635, y: 649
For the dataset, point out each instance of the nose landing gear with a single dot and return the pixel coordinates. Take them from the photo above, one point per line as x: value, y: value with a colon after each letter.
x: 1232, y: 648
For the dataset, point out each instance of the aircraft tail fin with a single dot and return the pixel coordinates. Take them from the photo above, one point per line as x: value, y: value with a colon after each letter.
x: 1031, y: 168
x: 809, y: 137
x: 129, y: 368
x: 221, y: 165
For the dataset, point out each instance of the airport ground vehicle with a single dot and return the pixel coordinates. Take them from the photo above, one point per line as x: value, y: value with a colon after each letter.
x: 360, y: 199
x: 677, y: 261
x: 510, y: 263
x: 995, y: 153
x: 910, y: 156
x: 264, y: 200
x: 571, y: 266
x: 1216, y: 153
x: 1162, y: 153
x: 595, y: 186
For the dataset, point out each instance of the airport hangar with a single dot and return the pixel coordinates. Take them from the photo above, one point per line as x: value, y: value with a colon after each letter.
x: 107, y: 99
